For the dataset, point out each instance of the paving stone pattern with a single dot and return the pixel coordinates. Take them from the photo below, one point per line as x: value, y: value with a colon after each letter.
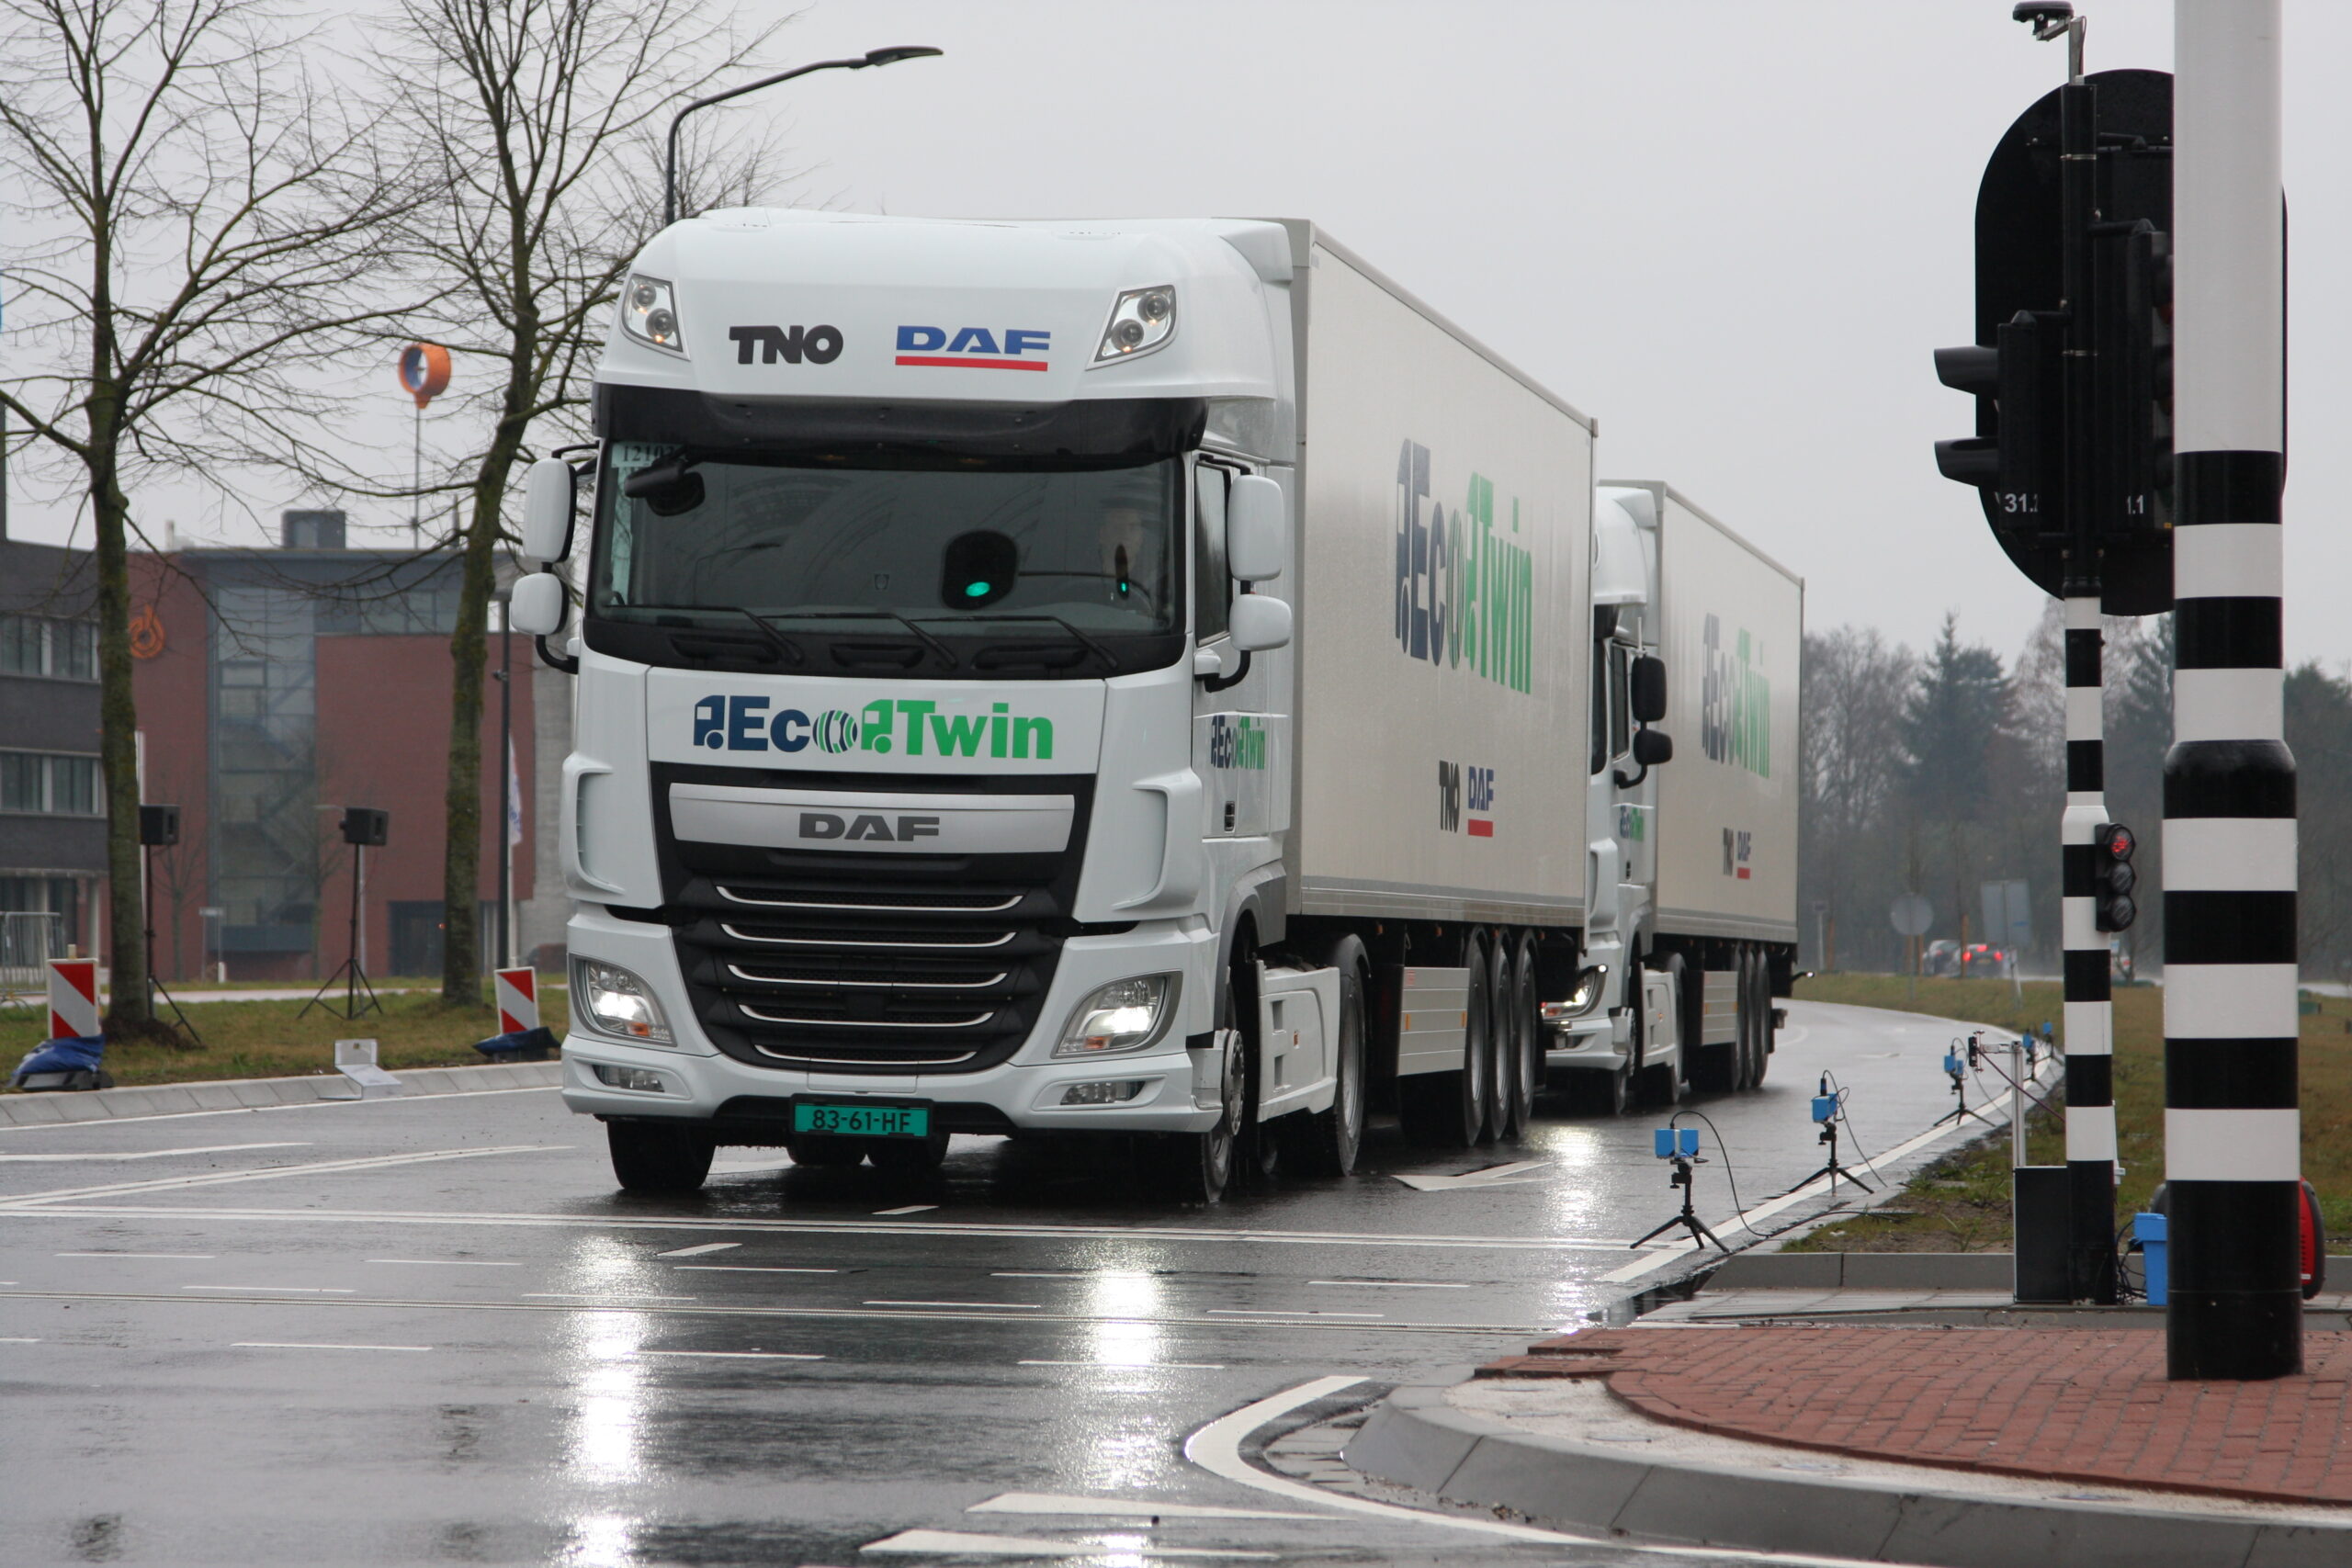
x: 2086, y: 1404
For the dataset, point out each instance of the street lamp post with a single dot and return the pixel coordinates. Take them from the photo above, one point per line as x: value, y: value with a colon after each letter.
x: 872, y: 57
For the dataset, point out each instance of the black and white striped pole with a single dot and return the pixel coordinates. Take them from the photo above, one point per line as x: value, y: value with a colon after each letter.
x: 2089, y: 1013
x: 2232, y: 1126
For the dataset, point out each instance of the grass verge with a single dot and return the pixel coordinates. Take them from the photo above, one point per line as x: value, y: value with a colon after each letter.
x: 270, y: 1039
x: 1961, y: 1203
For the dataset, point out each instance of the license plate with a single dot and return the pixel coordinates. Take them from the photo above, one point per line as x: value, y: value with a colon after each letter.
x: 864, y: 1121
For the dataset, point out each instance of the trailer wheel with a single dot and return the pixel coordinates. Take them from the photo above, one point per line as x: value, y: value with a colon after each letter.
x: 648, y: 1157
x: 1761, y: 989
x: 1451, y: 1108
x: 1523, y: 1050
x: 1328, y: 1140
x: 1502, y: 1066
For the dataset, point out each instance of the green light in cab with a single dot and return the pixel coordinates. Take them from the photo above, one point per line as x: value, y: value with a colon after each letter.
x: 976, y: 591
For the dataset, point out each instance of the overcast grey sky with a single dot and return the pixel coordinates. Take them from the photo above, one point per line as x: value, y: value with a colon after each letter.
x: 1731, y: 230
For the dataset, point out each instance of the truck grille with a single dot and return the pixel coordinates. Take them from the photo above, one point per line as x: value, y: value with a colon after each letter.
x: 857, y: 962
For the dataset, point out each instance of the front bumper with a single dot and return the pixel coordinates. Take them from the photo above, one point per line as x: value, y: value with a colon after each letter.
x: 1025, y: 1092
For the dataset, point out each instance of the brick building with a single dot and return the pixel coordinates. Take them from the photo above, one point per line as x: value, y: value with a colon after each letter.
x: 277, y: 687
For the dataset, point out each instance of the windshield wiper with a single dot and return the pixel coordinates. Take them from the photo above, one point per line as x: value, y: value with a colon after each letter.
x: 1093, y: 645
x: 782, y: 644
x: 936, y: 646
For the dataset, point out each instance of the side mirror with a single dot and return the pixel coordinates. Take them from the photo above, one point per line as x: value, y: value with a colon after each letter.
x: 535, y: 604
x: 1651, y: 747
x: 1648, y: 683
x: 1259, y: 621
x: 547, y: 510
x: 1256, y: 532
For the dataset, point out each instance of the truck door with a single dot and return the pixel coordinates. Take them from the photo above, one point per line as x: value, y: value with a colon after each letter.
x: 1240, y: 750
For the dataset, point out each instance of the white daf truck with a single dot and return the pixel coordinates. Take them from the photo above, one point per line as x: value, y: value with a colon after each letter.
x: 1045, y: 678
x: 1692, y: 927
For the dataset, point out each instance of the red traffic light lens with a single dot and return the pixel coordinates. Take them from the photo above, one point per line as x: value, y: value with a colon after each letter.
x: 2116, y: 841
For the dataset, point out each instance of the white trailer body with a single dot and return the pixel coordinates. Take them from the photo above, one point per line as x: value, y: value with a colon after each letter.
x: 1037, y: 677
x: 1695, y: 857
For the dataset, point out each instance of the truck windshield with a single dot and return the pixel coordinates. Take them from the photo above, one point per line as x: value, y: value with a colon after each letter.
x: 966, y: 551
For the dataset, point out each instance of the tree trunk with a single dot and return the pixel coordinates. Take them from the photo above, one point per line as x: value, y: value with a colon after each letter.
x: 118, y: 729
x: 468, y: 657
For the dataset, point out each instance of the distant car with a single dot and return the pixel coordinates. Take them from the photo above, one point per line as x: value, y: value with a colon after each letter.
x: 1941, y: 957
x: 2119, y: 964
x: 1945, y: 956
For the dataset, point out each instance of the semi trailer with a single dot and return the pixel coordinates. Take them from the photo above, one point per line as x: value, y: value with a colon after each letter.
x: 1070, y: 679
x: 1692, y: 925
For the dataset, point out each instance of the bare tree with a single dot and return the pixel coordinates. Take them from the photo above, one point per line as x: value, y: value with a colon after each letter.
x: 197, y: 215
x: 536, y: 122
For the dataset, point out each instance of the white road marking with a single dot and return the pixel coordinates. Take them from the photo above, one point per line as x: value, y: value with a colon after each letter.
x: 12, y: 1339
x: 179, y: 1257
x: 739, y: 1355
x: 909, y: 1209
x: 265, y: 1173
x: 993, y: 1232
x: 1120, y: 1508
x: 1660, y: 1257
x: 745, y: 1269
x: 991, y: 1306
x: 1216, y: 1447
x: 299, y: 1105
x: 697, y: 1251
x: 1493, y: 1176
x: 967, y: 1543
x: 585, y: 1296
x: 1393, y: 1284
x: 279, y: 1289
x: 151, y: 1153
x: 1132, y: 1366
x: 446, y: 1262
x: 290, y: 1345
x: 1283, y: 1314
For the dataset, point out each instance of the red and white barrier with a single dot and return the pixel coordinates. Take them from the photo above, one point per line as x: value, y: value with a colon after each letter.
x: 73, y: 999
x: 518, y: 999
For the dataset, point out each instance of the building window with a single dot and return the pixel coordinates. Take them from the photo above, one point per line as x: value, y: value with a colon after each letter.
x: 56, y: 786
x: 35, y: 645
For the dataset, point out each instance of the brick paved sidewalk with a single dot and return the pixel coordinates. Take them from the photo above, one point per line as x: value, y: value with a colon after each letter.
x: 2081, y: 1404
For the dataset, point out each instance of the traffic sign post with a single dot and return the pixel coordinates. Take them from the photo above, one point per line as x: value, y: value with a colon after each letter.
x: 2071, y: 461
x: 1911, y: 917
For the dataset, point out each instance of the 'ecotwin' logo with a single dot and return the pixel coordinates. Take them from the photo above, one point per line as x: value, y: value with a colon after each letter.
x: 1465, y: 594
x: 1734, y: 704
x: 903, y: 726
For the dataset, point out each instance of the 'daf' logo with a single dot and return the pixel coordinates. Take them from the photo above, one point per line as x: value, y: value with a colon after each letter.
x: 974, y: 348
x: 818, y: 345
x: 1737, y: 842
x: 1460, y: 786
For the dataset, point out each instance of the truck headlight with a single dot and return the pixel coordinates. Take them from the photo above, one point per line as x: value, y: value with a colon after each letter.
x: 1125, y: 1015
x: 650, y: 314
x: 1582, y: 999
x: 1142, y: 319
x: 609, y: 998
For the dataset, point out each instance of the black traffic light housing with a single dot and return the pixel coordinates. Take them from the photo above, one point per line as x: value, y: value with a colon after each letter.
x: 2132, y: 450
x: 2019, y: 463
x: 2112, y: 877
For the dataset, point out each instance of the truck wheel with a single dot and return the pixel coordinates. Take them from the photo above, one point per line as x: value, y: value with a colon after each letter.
x: 1761, y: 1062
x: 1328, y: 1140
x: 648, y: 1157
x: 1743, y: 1024
x: 1523, y: 1052
x: 909, y: 1156
x: 1500, y: 1066
x: 1662, y: 1081
x: 816, y: 1148
x: 1196, y: 1167
x: 1449, y: 1108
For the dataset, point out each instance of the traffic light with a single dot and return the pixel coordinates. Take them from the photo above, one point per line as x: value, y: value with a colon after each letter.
x: 2018, y: 457
x: 2112, y: 877
x: 2131, y: 448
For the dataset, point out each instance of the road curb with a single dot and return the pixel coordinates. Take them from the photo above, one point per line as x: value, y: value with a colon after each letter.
x: 1417, y: 1440
x: 254, y: 1094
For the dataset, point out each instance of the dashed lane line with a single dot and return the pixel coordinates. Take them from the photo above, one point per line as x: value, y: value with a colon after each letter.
x: 976, y: 1312
x: 272, y: 1172
x: 698, y: 1251
x: 905, y: 1209
x: 262, y: 1110
x: 38, y: 1205
x: 144, y: 1154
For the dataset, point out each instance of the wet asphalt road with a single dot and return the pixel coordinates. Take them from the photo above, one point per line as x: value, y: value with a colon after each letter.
x: 432, y: 1331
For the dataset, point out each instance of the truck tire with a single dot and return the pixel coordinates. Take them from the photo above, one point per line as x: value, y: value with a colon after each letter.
x: 818, y: 1149
x: 1328, y: 1140
x: 1449, y: 1108
x: 1197, y: 1167
x: 1762, y: 1061
x: 1743, y: 1022
x: 1662, y: 1081
x: 1501, y: 1066
x: 652, y: 1156
x: 1523, y: 1057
